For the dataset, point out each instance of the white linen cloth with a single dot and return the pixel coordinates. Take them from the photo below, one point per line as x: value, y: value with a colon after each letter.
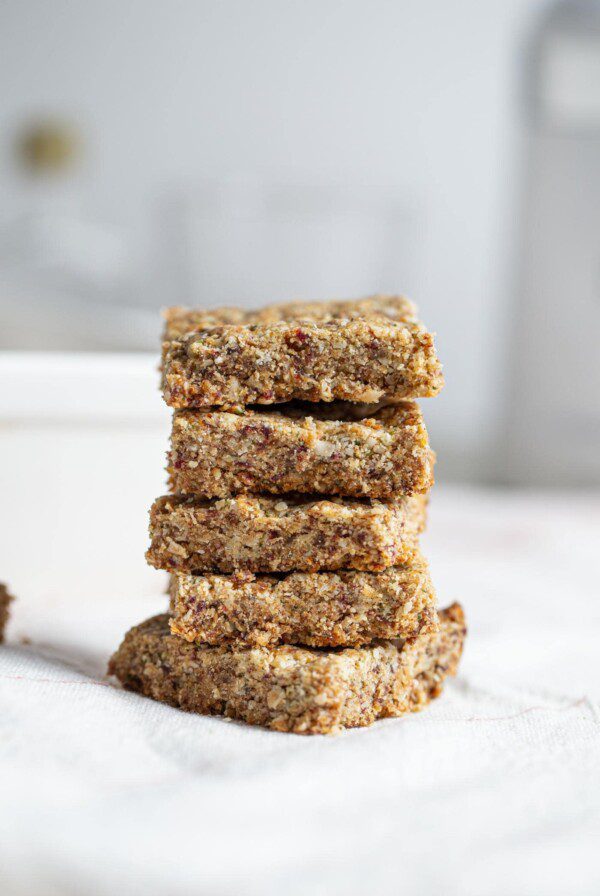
x: 493, y: 790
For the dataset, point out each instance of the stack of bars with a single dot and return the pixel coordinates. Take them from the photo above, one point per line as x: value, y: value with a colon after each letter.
x: 299, y: 472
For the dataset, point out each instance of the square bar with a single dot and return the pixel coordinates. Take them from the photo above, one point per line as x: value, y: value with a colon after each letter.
x: 294, y: 689
x: 322, y: 357
x: 319, y: 609
x: 280, y: 534
x: 336, y: 449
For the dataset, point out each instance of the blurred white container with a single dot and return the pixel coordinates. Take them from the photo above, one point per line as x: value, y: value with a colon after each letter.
x: 554, y: 422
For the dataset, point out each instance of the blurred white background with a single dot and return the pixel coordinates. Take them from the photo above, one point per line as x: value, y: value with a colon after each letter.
x: 197, y: 152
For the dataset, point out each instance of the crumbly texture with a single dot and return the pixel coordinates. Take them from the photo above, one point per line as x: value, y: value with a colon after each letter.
x: 280, y: 534
x: 5, y: 600
x: 320, y: 609
x: 295, y: 689
x: 324, y: 449
x: 180, y: 321
x: 319, y: 358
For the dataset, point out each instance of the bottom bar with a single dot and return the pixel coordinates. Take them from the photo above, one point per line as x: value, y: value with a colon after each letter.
x: 297, y: 689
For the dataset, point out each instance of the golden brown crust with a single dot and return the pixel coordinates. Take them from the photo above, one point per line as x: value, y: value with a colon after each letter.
x: 332, y: 449
x: 322, y: 609
x: 284, y: 533
x: 300, y: 690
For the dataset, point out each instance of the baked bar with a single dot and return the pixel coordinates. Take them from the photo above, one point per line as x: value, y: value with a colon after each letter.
x: 319, y: 358
x: 5, y: 600
x: 332, y: 449
x: 180, y: 321
x: 321, y: 609
x: 296, y: 689
x: 281, y: 534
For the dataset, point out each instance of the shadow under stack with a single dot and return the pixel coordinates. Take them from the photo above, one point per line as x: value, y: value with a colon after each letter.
x: 299, y: 471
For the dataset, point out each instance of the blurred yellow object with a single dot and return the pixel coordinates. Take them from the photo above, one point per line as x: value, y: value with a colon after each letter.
x: 49, y: 146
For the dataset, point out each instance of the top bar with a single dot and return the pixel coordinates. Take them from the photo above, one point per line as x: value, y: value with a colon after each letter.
x: 364, y: 351
x: 182, y: 321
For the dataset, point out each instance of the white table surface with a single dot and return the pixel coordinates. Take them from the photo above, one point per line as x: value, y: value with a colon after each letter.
x: 495, y: 789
